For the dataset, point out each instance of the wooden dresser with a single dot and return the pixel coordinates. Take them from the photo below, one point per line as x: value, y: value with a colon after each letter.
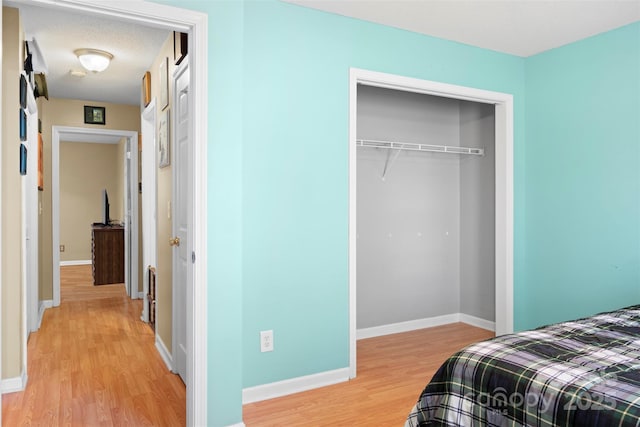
x: 107, y: 252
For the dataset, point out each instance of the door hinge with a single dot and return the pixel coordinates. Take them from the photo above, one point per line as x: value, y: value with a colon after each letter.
x: 193, y: 257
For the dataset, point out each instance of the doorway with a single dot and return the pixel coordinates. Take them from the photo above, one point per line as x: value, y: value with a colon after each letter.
x: 70, y: 134
x: 195, y: 24
x: 503, y: 186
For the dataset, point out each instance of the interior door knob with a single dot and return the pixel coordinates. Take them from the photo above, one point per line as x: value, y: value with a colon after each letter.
x: 174, y: 242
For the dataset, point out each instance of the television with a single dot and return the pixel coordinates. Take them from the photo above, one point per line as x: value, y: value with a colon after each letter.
x: 105, y: 207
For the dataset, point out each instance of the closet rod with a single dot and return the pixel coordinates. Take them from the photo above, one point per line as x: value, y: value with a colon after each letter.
x: 408, y: 146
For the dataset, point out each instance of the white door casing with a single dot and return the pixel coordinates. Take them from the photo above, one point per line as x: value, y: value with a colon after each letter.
x: 30, y: 219
x: 69, y: 133
x: 182, y: 224
x: 149, y: 197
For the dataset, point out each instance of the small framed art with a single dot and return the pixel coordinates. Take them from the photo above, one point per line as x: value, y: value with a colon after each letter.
x: 23, y: 125
x: 94, y: 115
x: 146, y: 88
x: 180, y: 41
x: 23, y: 159
x: 163, y: 140
x: 164, y: 83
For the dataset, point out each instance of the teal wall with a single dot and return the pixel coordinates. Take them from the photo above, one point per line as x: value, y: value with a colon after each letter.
x: 295, y: 169
x: 224, y: 197
x: 278, y: 179
x: 582, y: 179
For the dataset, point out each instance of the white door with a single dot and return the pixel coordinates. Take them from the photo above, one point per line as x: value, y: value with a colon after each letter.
x: 149, y: 198
x: 182, y: 222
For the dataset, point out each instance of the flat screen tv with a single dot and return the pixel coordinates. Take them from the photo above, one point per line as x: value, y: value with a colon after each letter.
x: 105, y: 207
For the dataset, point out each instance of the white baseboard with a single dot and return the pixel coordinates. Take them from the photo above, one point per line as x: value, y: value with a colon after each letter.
x: 164, y: 353
x: 237, y: 425
x: 44, y: 304
x: 294, y: 385
x: 478, y: 322
x: 12, y: 385
x: 140, y: 294
x: 429, y: 322
x: 76, y: 262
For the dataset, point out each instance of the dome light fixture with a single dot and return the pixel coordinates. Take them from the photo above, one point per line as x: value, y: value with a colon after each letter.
x: 94, y: 60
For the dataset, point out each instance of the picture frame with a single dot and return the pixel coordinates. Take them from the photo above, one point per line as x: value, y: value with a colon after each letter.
x: 23, y: 91
x: 23, y: 159
x: 40, y: 163
x: 164, y: 83
x: 94, y: 115
x: 23, y: 125
x: 164, y: 146
x: 180, y: 46
x: 146, y: 88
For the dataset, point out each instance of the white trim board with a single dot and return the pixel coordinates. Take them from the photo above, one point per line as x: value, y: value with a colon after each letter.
x: 164, y: 353
x: 294, y: 385
x: 43, y: 306
x: 77, y: 262
x: 503, y: 185
x: 428, y: 322
x: 13, y: 385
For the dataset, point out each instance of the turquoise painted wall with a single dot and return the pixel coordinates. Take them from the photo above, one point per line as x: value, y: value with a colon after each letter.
x: 277, y: 237
x: 295, y: 176
x: 582, y: 179
x: 224, y: 233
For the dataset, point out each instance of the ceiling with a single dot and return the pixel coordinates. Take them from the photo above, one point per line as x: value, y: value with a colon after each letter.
x: 517, y: 27
x: 58, y: 34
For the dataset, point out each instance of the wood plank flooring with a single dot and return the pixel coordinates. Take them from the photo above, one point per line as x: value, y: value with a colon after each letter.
x: 392, y: 371
x: 94, y: 363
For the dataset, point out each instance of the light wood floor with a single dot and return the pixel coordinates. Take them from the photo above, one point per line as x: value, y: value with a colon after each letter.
x: 94, y: 363
x: 392, y: 371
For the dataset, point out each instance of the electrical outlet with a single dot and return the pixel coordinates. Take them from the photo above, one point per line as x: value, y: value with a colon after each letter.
x: 61, y: 248
x: 266, y: 341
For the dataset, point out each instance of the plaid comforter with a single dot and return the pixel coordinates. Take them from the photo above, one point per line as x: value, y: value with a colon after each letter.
x: 580, y: 373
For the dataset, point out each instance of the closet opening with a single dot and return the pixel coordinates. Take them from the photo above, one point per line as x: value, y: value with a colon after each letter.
x: 430, y: 218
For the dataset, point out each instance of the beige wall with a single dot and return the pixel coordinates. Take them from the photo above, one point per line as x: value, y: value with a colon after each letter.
x: 68, y: 112
x: 164, y: 270
x: 11, y: 286
x: 85, y: 170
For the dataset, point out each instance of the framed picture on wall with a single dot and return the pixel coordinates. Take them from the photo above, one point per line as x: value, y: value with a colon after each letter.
x: 164, y: 83
x: 146, y: 88
x: 23, y: 92
x: 23, y: 125
x: 40, y: 164
x: 163, y: 140
x: 23, y: 159
x: 94, y: 115
x: 179, y: 46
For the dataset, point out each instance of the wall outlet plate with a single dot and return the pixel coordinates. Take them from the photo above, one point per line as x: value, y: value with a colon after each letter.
x: 266, y: 341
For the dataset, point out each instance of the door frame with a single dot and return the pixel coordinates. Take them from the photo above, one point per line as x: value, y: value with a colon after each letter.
x: 78, y: 134
x: 149, y: 198
x: 196, y: 25
x: 503, y: 185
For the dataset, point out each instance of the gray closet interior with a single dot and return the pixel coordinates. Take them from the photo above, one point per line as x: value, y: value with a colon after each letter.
x: 425, y: 220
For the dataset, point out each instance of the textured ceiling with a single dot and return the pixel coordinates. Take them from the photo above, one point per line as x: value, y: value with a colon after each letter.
x: 517, y: 27
x: 58, y: 34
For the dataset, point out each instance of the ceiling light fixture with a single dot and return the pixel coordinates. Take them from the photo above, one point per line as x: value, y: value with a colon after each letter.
x: 93, y: 59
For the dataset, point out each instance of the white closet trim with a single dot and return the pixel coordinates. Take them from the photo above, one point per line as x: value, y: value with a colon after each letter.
x: 409, y: 146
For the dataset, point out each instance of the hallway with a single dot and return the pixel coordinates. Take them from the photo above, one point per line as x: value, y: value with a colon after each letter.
x: 94, y: 362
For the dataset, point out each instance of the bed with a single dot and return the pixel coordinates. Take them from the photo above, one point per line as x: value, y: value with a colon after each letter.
x: 580, y: 373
